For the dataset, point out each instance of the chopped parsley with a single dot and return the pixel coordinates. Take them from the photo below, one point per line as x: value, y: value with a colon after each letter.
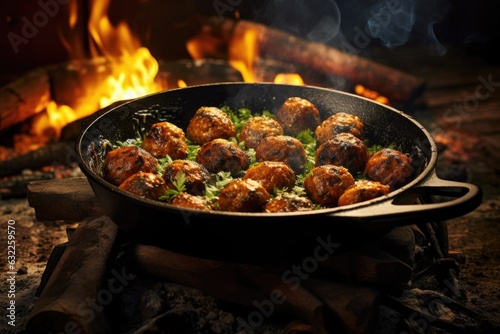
x: 179, y: 184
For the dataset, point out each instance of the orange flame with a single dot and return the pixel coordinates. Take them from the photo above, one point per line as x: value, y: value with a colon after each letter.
x: 132, y: 69
x: 242, y: 54
x: 289, y: 78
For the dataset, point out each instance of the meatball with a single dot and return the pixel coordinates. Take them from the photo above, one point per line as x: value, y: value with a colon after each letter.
x: 325, y: 184
x: 272, y: 174
x: 196, y: 175
x: 283, y: 149
x: 190, y: 201
x: 223, y: 155
x: 145, y: 184
x: 243, y: 196
x: 297, y: 114
x: 339, y: 123
x: 123, y: 162
x: 209, y: 123
x: 166, y: 139
x: 389, y: 166
x: 363, y: 190
x: 288, y: 202
x: 343, y: 150
x: 257, y: 128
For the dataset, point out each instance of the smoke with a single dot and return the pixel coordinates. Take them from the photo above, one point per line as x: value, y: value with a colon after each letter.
x: 355, y: 24
x: 390, y: 22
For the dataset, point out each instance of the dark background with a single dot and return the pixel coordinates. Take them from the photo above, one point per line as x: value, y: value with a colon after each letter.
x: 164, y: 26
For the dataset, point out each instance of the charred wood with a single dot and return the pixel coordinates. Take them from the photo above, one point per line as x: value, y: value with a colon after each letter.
x: 77, y: 278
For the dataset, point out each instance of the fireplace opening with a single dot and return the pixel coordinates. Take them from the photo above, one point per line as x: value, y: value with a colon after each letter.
x: 67, y: 60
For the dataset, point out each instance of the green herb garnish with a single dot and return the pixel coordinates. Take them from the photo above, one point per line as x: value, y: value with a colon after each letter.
x: 179, y: 184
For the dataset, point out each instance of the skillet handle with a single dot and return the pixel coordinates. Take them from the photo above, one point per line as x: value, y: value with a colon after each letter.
x: 413, y: 205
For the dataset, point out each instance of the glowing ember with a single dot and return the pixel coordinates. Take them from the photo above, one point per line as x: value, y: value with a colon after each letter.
x: 371, y: 94
x: 181, y: 83
x: 289, y: 78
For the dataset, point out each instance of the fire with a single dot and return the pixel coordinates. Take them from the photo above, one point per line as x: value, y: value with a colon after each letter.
x: 289, y: 78
x: 371, y: 94
x: 132, y: 69
x: 243, y: 52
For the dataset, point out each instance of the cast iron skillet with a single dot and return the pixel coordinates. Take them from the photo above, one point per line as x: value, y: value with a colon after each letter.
x: 262, y: 236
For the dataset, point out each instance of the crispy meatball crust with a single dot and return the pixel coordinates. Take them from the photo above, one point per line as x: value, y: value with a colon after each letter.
x: 325, y: 184
x: 272, y: 174
x: 339, y: 123
x: 123, y: 162
x: 145, y: 184
x: 257, y: 128
x: 243, y: 196
x: 189, y: 201
x: 284, y: 149
x: 297, y: 114
x: 196, y: 175
x: 166, y: 139
x: 343, y: 150
x: 363, y: 190
x: 223, y: 155
x: 288, y: 202
x: 390, y: 167
x: 209, y: 123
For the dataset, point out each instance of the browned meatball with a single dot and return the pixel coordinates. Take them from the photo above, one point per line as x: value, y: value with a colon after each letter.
x: 190, y: 201
x: 272, y: 174
x: 257, y: 128
x: 339, y: 123
x: 165, y: 139
x: 297, y: 114
x: 288, y: 202
x: 196, y: 175
x: 325, y: 184
x: 363, y: 190
x: 223, y: 155
x: 243, y: 196
x: 343, y: 150
x: 390, y: 167
x: 209, y: 123
x: 283, y: 149
x: 144, y: 184
x: 123, y: 162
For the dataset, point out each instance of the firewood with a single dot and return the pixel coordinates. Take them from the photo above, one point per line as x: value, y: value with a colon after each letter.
x: 325, y: 305
x: 371, y: 266
x: 79, y: 82
x: 276, y: 44
x: 59, y: 152
x: 69, y: 199
x: 24, y: 97
x: 63, y: 305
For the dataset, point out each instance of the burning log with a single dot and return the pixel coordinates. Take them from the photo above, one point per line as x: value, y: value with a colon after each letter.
x: 277, y: 44
x: 24, y: 97
x: 78, y: 277
x: 43, y: 156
